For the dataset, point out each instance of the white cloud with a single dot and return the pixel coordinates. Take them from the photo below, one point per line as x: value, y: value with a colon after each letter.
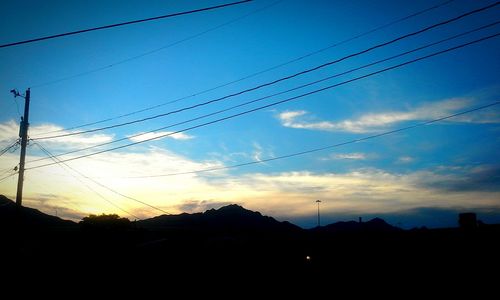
x: 10, y: 131
x: 257, y: 153
x: 353, y: 156
x: 367, y: 191
x: 349, y: 156
x: 405, y: 159
x: 283, y: 194
x: 110, y: 169
x: 159, y: 135
x: 373, y: 122
x: 288, y: 117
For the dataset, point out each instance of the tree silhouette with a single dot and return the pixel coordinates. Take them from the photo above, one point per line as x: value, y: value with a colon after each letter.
x: 105, y: 222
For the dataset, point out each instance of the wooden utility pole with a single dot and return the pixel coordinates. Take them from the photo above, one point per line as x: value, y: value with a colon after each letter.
x: 23, y: 134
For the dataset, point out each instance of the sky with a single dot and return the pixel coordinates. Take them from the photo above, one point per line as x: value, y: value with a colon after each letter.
x: 422, y: 176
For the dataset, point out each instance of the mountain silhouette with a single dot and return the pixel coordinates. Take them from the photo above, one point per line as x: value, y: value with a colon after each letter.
x: 230, y: 218
x: 237, y: 242
x: 374, y: 225
x: 28, y: 217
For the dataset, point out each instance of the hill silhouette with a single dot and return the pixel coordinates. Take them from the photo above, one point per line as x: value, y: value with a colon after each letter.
x: 230, y: 218
x: 28, y: 217
x: 238, y: 241
x: 374, y: 225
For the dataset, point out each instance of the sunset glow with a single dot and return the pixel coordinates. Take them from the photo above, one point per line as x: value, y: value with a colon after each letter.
x: 409, y: 177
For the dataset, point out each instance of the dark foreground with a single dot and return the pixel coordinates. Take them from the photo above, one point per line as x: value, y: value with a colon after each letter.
x: 309, y: 251
x: 240, y: 244
x: 428, y: 260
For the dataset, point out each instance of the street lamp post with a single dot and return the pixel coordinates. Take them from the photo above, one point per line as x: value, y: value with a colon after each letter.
x: 318, y: 201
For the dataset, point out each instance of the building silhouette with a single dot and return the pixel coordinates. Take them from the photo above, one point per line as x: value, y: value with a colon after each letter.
x: 467, y: 220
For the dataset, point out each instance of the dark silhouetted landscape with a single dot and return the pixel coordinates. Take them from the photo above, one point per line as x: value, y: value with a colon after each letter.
x: 316, y: 145
x: 234, y: 240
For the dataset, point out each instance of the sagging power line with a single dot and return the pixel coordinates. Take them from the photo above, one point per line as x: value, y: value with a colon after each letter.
x: 285, y: 100
x: 276, y: 94
x: 260, y: 161
x: 62, y: 165
x: 8, y: 176
x: 442, y: 23
x: 149, y: 52
x: 262, y: 71
x: 8, y: 148
x: 120, y: 24
x: 102, y: 185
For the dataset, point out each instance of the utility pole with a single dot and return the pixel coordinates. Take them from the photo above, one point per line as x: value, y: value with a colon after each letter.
x: 23, y: 134
x: 318, y: 201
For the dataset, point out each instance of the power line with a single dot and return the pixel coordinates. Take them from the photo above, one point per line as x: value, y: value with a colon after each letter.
x: 3, y: 151
x: 121, y: 24
x: 280, y: 79
x: 344, y: 41
x: 8, y: 170
x: 17, y: 107
x: 66, y: 204
x: 82, y: 182
x: 283, y: 101
x: 279, y: 93
x: 322, y: 148
x: 3, y: 178
x: 58, y: 161
x: 85, y: 184
x: 132, y: 58
x: 263, y: 71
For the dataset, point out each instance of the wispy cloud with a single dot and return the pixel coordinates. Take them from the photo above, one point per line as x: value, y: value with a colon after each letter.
x: 288, y: 117
x: 139, y: 137
x: 479, y: 178
x: 353, y: 156
x: 282, y: 194
x: 373, y: 122
x: 405, y: 159
x: 258, y: 151
x: 10, y: 131
x: 193, y: 206
x: 110, y: 169
x: 376, y: 191
x: 350, y: 156
x: 56, y: 205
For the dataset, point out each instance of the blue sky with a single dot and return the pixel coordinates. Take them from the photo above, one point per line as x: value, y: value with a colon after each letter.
x: 451, y: 166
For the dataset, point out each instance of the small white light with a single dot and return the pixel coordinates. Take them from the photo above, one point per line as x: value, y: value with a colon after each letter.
x: 308, y: 257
